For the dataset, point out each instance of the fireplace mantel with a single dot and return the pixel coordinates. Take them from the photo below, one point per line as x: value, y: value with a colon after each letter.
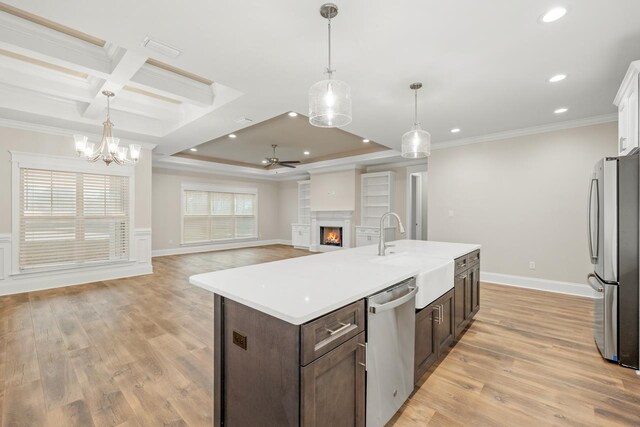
x: 342, y: 219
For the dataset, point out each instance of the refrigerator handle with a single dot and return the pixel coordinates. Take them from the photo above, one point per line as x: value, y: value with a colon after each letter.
x: 592, y: 253
x: 595, y: 288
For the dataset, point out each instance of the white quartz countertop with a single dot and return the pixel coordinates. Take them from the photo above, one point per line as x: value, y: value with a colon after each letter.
x: 301, y: 289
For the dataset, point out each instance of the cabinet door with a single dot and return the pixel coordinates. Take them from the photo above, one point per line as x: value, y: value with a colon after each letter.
x: 426, y: 346
x: 623, y: 137
x: 468, y: 309
x: 333, y: 387
x: 445, y: 330
x: 475, y: 289
x: 632, y: 117
x: 460, y: 286
x: 296, y: 237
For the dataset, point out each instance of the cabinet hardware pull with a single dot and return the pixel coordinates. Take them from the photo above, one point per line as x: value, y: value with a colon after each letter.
x: 441, y: 313
x: 437, y: 307
x: 362, y: 345
x: 363, y: 365
x: 340, y: 329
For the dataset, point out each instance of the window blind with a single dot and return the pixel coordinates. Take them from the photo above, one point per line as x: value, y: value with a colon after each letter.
x: 72, y: 218
x: 211, y: 215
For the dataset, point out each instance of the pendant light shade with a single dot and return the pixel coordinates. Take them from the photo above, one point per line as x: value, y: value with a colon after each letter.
x: 330, y: 104
x: 416, y: 144
x: 329, y: 99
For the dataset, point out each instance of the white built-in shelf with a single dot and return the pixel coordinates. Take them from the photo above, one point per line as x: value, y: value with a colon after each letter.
x: 376, y: 197
x: 304, y: 202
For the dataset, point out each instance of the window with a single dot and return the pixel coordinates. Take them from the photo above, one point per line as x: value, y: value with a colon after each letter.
x: 70, y: 218
x: 218, y: 215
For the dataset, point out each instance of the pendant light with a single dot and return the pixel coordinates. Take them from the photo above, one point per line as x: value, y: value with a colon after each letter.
x: 329, y: 99
x: 416, y: 144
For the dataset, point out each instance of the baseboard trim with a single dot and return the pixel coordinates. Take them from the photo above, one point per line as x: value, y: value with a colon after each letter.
x: 567, y: 288
x: 19, y: 285
x: 219, y: 247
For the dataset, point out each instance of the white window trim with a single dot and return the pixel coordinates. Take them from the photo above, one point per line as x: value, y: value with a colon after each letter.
x: 198, y: 186
x: 23, y: 160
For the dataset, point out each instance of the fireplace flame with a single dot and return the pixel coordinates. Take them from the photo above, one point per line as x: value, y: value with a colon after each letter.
x: 332, y: 237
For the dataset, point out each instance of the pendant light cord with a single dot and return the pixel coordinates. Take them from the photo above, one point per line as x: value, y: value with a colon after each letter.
x: 415, y: 106
x: 329, y: 70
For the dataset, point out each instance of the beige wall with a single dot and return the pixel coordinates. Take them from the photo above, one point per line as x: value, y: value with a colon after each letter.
x: 524, y: 199
x: 334, y: 191
x: 167, y: 187
x: 43, y: 143
x: 288, y: 205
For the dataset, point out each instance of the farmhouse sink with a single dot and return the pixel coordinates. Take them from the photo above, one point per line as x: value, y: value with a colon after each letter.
x: 435, y: 275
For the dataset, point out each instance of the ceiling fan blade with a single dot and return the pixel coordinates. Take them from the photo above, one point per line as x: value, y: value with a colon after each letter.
x: 286, y: 165
x: 289, y: 161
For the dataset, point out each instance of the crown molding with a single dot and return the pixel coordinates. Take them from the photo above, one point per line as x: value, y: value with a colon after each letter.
x: 596, y: 120
x: 52, y: 130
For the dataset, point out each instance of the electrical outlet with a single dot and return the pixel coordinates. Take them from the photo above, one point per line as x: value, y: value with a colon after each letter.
x: 532, y: 265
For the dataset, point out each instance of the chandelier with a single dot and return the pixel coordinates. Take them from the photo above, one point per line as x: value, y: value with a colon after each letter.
x: 109, y: 150
x: 329, y: 99
x: 416, y: 144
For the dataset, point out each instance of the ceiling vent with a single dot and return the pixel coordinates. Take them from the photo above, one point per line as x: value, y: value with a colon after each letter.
x: 243, y: 120
x: 161, y: 47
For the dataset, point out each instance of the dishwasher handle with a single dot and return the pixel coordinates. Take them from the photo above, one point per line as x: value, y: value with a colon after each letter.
x: 379, y: 308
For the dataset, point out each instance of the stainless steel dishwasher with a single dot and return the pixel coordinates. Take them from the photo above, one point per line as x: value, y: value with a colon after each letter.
x: 390, y: 350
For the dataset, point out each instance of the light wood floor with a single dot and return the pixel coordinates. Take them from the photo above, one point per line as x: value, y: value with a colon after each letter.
x: 139, y: 352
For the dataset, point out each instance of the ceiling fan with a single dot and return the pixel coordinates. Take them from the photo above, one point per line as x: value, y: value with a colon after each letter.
x: 273, y: 160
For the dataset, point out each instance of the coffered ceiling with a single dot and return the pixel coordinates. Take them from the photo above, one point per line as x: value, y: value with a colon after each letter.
x: 485, y: 65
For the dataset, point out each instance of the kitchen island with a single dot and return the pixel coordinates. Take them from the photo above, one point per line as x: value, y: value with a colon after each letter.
x: 290, y: 336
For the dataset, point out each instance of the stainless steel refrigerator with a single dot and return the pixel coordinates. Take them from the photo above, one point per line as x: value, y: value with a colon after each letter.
x: 613, y: 217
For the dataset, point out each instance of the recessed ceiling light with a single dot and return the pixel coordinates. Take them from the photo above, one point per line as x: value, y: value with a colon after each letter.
x: 561, y: 110
x: 193, y: 149
x: 293, y: 114
x: 366, y: 141
x: 455, y: 130
x: 264, y: 162
x: 306, y: 153
x: 557, y: 78
x: 553, y: 14
x: 232, y: 135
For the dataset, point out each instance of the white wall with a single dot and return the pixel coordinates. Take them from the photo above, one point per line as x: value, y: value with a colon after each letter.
x: 524, y: 199
x: 166, y: 205
x: 58, y: 145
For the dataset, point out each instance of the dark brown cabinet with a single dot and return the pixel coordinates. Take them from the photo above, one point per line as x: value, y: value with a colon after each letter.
x: 474, y: 274
x: 270, y: 372
x: 434, y: 332
x: 466, y: 289
x: 333, y: 387
x: 426, y: 346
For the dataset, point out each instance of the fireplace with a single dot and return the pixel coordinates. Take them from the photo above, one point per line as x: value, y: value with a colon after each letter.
x: 330, y: 230
x: 331, y: 236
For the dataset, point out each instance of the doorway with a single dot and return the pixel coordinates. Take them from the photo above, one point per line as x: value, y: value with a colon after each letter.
x: 416, y: 204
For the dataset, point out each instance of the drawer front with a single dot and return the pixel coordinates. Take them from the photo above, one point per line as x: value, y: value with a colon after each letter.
x: 462, y: 264
x: 328, y: 332
x: 368, y: 231
x: 473, y: 258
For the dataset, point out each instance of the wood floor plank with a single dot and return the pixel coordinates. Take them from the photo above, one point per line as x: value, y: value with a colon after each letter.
x: 23, y: 406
